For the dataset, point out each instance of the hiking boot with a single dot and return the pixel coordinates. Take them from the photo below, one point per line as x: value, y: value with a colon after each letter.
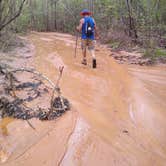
x: 94, y: 65
x: 84, y: 62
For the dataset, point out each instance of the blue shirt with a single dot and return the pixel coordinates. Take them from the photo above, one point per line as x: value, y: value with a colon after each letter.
x: 92, y: 23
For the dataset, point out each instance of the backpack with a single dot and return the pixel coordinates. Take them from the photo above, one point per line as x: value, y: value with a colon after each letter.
x: 89, y: 29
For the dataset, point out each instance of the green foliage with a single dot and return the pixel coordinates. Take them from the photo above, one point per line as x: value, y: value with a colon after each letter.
x: 144, y: 21
x: 159, y: 52
x: 154, y: 53
x: 22, y: 23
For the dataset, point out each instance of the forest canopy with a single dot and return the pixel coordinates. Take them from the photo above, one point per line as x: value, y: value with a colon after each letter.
x: 138, y: 21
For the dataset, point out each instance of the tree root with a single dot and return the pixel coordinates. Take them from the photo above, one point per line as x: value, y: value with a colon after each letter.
x: 18, y: 109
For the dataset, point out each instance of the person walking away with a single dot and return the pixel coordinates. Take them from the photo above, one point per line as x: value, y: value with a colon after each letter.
x: 88, y: 29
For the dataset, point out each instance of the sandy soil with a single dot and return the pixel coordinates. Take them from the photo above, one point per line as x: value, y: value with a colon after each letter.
x: 118, y: 115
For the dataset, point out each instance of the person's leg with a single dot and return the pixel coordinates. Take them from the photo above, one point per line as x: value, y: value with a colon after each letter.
x: 91, y: 47
x: 92, y: 52
x: 83, y: 45
x: 84, y: 61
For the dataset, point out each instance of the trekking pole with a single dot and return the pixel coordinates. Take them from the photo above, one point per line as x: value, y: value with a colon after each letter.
x: 75, y: 53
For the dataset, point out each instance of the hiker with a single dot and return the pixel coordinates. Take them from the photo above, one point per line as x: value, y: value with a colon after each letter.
x: 87, y: 27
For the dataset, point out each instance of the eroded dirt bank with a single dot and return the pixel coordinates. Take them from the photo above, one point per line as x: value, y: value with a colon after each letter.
x: 119, y: 118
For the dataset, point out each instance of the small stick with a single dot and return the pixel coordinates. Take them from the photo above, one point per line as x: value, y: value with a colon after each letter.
x: 57, y: 89
x: 11, y: 84
x: 34, y: 72
x: 75, y: 53
x: 31, y: 125
x: 60, y: 75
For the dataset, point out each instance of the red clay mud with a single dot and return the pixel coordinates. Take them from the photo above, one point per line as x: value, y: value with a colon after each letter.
x: 119, y: 118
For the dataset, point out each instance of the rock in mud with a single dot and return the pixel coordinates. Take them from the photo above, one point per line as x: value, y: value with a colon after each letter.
x: 125, y: 131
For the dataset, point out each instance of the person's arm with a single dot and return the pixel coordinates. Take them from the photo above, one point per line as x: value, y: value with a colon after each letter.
x: 96, y: 31
x: 79, y: 27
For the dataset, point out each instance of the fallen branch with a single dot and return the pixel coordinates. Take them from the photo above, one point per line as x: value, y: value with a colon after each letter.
x: 54, y: 86
x: 57, y: 89
x: 31, y: 125
x: 11, y: 84
x: 58, y: 105
x: 34, y: 72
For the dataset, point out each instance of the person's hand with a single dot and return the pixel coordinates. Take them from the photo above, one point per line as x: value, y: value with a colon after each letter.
x: 97, y: 38
x: 77, y: 29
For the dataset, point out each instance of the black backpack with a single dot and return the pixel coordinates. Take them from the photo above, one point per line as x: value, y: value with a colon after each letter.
x: 89, y: 30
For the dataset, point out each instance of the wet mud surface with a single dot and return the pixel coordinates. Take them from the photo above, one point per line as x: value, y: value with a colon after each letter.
x: 119, y: 118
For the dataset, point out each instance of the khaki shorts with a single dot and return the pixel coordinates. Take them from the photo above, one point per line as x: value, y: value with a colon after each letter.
x: 87, y: 43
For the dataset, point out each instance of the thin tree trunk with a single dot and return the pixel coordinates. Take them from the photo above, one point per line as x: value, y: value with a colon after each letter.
x: 55, y: 21
x: 132, y: 28
x: 14, y: 16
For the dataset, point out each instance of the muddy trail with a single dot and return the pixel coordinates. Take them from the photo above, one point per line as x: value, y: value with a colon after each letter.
x: 118, y: 114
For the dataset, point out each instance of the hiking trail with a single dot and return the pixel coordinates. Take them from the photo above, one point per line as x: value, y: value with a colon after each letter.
x: 118, y: 115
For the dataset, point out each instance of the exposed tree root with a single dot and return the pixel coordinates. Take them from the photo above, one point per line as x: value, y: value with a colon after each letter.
x: 16, y: 107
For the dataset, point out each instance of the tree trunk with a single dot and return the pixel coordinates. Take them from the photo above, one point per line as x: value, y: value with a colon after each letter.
x: 55, y: 21
x: 132, y: 28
